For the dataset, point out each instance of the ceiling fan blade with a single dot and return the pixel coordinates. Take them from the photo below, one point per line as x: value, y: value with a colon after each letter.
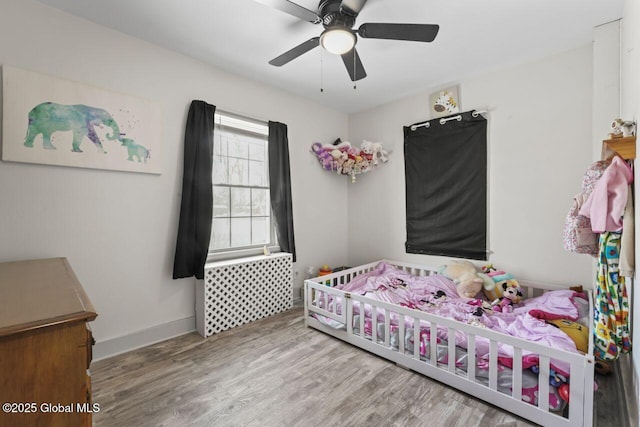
x: 412, y: 32
x: 292, y: 54
x: 354, y: 66
x: 293, y: 9
x: 352, y: 7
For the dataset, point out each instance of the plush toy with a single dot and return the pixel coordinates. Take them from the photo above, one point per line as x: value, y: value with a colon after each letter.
x: 379, y: 153
x: 347, y: 166
x: 324, y: 156
x: 493, y: 289
x: 353, y: 152
x: 367, y: 150
x: 577, y: 332
x: 620, y: 128
x: 336, y: 154
x: 464, y: 275
x: 511, y: 295
x: 346, y: 159
x: 556, y: 379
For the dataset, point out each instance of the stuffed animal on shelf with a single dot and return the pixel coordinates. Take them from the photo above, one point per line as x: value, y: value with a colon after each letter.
x: 511, y: 295
x: 465, y: 276
x: 622, y: 128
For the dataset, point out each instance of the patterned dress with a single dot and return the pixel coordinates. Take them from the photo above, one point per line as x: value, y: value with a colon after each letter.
x: 611, y: 308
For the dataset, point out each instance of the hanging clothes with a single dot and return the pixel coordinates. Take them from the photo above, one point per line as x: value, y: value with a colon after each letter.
x: 606, y: 203
x: 611, y: 308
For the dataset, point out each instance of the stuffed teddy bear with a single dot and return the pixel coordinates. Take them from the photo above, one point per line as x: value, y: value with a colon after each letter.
x: 367, y: 150
x: 464, y: 275
x: 374, y: 152
x: 379, y: 153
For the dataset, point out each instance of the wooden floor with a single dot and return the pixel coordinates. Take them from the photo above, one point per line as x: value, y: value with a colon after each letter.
x: 278, y: 372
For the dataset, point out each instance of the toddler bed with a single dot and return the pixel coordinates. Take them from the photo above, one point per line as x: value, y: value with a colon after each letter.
x: 515, y: 361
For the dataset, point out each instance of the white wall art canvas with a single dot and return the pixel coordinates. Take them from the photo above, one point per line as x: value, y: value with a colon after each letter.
x: 54, y: 121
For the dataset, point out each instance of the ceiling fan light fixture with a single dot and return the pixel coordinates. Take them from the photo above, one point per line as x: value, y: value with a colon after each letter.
x: 337, y: 40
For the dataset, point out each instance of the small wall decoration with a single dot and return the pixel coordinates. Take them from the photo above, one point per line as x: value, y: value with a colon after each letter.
x: 345, y: 159
x: 53, y: 121
x: 445, y: 102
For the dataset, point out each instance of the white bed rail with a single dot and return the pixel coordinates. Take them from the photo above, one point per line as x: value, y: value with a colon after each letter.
x: 322, y: 289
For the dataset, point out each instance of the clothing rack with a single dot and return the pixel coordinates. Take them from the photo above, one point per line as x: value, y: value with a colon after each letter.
x: 442, y: 121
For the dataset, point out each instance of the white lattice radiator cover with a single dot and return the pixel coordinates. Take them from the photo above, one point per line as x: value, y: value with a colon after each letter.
x: 240, y: 291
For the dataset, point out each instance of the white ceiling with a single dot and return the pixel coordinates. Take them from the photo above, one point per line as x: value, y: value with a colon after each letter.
x: 241, y: 36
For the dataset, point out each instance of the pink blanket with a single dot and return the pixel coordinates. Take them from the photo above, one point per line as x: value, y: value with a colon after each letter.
x: 437, y: 295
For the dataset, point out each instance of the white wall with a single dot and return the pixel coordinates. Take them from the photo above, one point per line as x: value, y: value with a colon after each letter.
x: 539, y: 138
x: 606, y: 82
x: 631, y: 110
x: 118, y: 229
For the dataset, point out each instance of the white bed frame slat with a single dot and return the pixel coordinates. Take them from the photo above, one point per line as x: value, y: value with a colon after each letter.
x: 516, y: 390
x: 416, y: 339
x: 471, y: 361
x: 493, y: 365
x: 362, y: 311
x: 433, y: 343
x: 451, y: 349
x: 581, y: 380
x: 374, y: 324
x: 543, y: 383
x: 401, y: 333
x: 387, y: 328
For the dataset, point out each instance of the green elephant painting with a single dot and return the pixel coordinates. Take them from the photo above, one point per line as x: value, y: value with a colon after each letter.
x: 49, y: 117
x: 136, y: 150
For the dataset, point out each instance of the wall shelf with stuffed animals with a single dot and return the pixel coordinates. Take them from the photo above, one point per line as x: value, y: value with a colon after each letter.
x: 345, y: 159
x: 621, y: 139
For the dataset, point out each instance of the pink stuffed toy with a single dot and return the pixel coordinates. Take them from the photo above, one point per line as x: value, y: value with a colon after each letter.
x: 511, y: 295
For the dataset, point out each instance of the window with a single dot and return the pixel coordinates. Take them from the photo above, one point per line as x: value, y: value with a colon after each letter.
x: 241, y: 203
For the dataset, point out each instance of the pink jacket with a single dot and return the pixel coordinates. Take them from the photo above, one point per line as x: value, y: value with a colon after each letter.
x: 605, y: 206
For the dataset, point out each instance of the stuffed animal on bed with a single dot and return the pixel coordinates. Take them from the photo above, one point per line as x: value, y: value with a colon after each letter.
x: 492, y: 288
x: 465, y: 276
x: 511, y: 295
x: 577, y: 332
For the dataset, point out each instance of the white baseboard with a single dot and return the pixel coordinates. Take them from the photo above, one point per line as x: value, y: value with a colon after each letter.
x: 143, y: 338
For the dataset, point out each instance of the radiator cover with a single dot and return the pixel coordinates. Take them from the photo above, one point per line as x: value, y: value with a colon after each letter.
x: 240, y: 291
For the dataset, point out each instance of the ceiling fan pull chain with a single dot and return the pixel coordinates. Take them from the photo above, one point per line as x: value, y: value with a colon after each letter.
x: 321, y: 72
x: 354, y: 70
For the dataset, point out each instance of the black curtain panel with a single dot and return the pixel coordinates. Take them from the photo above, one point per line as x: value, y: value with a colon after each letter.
x: 196, y: 209
x: 446, y: 187
x: 280, y: 186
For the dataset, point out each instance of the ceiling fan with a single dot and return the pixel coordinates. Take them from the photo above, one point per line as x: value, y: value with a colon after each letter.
x: 338, y: 18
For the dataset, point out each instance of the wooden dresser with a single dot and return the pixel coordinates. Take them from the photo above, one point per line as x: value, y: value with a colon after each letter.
x: 45, y: 345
